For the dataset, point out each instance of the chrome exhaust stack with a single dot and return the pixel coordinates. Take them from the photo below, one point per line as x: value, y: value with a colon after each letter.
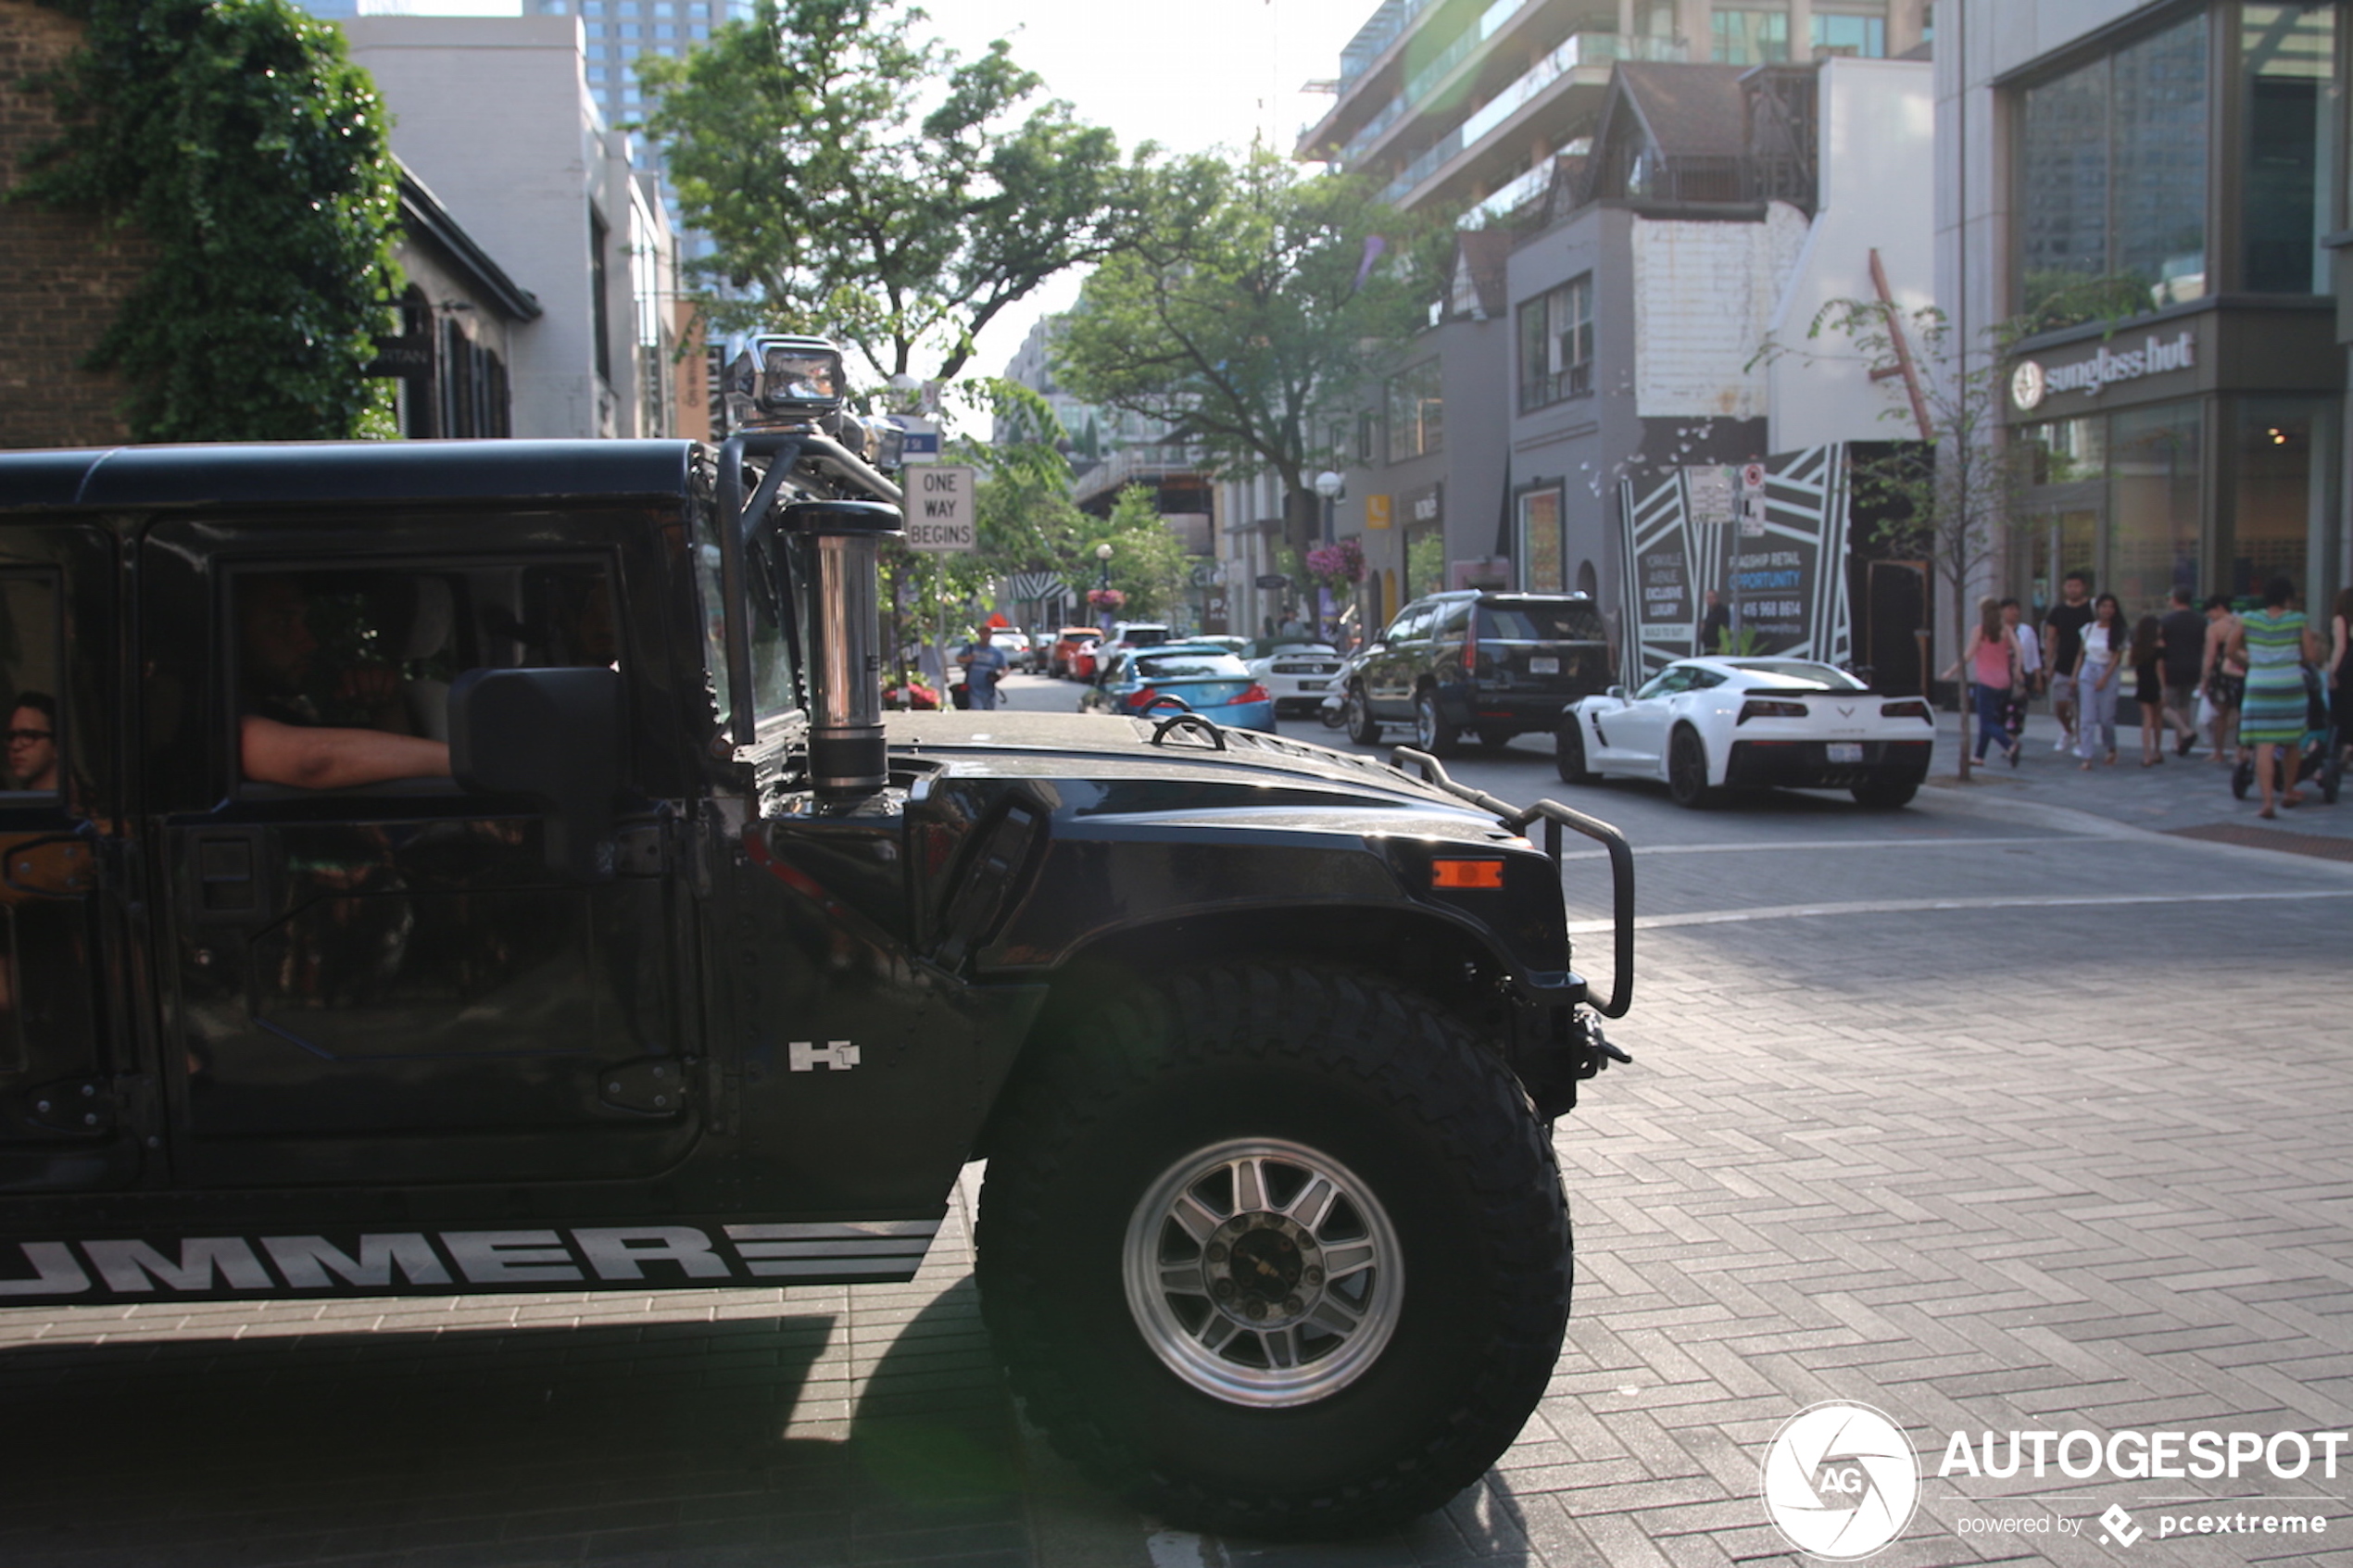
x: 848, y: 754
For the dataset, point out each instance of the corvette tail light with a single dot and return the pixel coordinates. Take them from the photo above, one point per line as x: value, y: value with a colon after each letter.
x: 1766, y: 708
x: 1914, y: 710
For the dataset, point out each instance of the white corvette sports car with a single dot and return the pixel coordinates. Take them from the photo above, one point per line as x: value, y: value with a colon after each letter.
x: 1705, y: 725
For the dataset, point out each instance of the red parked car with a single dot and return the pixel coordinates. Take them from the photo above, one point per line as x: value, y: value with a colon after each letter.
x: 1068, y: 644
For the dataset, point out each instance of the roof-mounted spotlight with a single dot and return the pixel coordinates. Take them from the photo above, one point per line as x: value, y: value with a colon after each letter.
x: 773, y: 379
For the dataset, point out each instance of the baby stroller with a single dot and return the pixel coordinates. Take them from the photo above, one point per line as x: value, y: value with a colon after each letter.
x: 2316, y: 756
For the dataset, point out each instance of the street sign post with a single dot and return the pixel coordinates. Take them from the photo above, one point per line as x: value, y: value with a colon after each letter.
x: 939, y: 509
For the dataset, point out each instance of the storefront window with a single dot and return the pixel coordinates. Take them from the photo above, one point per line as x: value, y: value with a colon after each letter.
x: 2066, y: 450
x: 2278, y: 521
x: 2287, y: 54
x: 2156, y: 473
x: 2112, y: 172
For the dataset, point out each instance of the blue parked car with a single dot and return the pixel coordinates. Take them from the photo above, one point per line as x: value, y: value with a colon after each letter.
x: 1206, y: 680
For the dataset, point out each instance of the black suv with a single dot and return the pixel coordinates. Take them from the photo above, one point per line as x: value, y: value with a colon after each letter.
x: 463, y: 867
x: 1496, y: 664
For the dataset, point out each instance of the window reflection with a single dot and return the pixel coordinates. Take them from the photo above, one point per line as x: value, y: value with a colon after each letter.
x: 2287, y: 54
x: 2156, y: 478
x: 28, y: 683
x: 2112, y: 172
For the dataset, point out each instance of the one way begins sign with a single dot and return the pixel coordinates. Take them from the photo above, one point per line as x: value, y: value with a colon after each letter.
x: 939, y: 509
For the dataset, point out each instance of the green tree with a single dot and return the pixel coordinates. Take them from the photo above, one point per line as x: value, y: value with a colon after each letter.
x: 1147, y: 561
x: 239, y: 140
x: 1248, y: 309
x: 860, y: 182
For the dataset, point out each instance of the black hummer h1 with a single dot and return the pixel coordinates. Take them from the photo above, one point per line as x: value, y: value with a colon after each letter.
x: 687, y: 976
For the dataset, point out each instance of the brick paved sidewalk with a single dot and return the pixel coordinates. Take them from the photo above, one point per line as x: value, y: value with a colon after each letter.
x: 2190, y: 796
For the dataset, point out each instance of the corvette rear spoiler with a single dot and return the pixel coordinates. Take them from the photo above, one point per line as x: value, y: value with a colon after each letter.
x: 1555, y: 817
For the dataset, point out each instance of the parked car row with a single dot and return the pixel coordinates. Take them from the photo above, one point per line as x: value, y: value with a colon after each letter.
x: 1498, y: 665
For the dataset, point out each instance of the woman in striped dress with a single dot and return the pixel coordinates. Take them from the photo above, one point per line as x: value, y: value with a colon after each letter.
x: 2277, y: 644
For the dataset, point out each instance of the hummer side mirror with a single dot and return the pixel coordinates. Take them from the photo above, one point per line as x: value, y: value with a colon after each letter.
x: 1617, y: 692
x: 553, y: 737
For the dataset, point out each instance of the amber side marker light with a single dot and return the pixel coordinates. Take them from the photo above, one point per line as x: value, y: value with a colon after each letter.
x: 1466, y: 873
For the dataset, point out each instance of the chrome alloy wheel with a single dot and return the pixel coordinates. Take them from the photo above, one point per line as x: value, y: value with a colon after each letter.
x: 1263, y: 1273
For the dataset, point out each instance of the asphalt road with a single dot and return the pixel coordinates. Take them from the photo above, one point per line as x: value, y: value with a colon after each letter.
x: 1993, y: 1115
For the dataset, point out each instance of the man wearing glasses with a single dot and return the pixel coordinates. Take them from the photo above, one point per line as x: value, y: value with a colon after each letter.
x: 33, y: 743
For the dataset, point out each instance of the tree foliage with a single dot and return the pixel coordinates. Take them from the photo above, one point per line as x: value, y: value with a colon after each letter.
x: 864, y: 183
x: 237, y: 137
x: 1251, y: 309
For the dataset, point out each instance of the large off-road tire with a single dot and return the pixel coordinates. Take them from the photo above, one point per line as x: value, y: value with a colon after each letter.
x: 1687, y: 770
x: 1275, y: 1249
x: 1363, y: 728
x: 1431, y: 731
x: 1568, y: 751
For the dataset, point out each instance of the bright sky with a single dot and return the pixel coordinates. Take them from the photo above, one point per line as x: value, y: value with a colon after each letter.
x: 1188, y: 74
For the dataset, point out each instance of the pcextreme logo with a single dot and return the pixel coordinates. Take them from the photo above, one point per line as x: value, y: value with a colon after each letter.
x: 1840, y: 1481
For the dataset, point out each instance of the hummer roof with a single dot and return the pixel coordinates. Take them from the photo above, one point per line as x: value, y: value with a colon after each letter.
x: 344, y: 472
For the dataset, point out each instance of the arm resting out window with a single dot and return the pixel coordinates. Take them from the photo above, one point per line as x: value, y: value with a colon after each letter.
x: 326, y: 757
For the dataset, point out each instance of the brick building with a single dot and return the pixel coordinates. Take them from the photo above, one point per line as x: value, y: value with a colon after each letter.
x: 67, y: 272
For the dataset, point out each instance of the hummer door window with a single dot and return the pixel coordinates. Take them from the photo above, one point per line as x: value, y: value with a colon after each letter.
x: 62, y: 1122
x: 372, y: 959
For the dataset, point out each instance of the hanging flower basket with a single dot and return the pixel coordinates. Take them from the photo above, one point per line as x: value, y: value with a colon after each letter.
x: 1337, y: 565
x: 1105, y: 599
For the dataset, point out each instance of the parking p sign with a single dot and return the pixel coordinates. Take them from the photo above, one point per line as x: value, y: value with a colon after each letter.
x: 939, y: 509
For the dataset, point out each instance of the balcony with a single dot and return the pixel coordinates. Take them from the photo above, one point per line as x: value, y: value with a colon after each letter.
x: 1583, y: 49
x: 1590, y: 53
x: 1389, y: 24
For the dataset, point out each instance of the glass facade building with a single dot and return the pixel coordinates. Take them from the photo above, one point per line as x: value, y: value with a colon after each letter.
x: 2175, y: 191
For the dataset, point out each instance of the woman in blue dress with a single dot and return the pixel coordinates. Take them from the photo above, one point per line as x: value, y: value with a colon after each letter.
x: 2277, y: 644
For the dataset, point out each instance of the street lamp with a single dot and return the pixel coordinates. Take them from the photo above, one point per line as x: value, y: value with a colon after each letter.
x: 1103, y: 585
x: 1331, y: 487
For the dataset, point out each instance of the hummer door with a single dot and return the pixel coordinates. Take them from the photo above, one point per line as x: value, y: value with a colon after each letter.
x: 384, y: 980
x: 62, y: 1123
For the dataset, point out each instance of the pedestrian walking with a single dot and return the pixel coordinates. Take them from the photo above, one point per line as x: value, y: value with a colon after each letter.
x: 1991, y: 661
x: 2341, y: 669
x: 2275, y: 644
x: 984, y: 662
x: 2182, y: 639
x: 2030, y: 667
x: 2148, y: 687
x: 2225, y: 678
x: 2063, y: 640
x: 2099, y: 670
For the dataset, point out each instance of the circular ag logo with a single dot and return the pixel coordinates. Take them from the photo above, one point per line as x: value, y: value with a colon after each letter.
x: 1841, y: 1480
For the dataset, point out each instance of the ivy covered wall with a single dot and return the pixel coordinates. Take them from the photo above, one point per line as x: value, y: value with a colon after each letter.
x: 249, y: 160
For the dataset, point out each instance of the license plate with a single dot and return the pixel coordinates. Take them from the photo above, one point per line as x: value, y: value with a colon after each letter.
x: 1538, y: 665
x: 1845, y: 750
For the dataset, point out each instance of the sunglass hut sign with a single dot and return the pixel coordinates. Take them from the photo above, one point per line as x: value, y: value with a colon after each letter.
x: 2031, y: 381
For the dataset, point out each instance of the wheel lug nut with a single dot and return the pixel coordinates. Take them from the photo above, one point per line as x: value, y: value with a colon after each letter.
x: 1223, y: 1289
x: 1311, y: 1276
x: 1217, y: 1253
x: 1254, y: 1311
x: 1292, y: 1303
